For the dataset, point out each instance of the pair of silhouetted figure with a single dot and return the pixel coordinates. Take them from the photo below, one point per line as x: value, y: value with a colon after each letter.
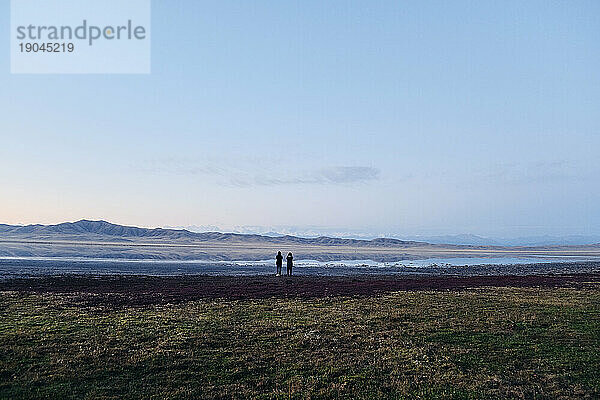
x: 279, y: 262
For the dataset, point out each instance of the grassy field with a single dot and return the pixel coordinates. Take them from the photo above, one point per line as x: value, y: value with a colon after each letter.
x: 471, y: 343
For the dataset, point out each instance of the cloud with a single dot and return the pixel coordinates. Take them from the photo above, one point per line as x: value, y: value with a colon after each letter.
x: 349, y: 174
x: 229, y: 176
x: 345, y: 175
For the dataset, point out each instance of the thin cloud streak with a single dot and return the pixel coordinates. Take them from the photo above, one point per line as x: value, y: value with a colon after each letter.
x: 338, y: 175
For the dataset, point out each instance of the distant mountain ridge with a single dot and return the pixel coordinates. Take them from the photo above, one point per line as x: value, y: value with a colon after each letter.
x: 104, y: 228
x: 92, y: 227
x: 465, y: 239
x: 474, y: 240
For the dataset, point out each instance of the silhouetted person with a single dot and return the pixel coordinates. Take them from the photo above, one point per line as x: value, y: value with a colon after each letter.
x: 290, y: 263
x: 279, y: 262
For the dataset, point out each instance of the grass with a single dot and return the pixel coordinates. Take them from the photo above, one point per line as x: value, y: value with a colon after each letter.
x: 468, y: 344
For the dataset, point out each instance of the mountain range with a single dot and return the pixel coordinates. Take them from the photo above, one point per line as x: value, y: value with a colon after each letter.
x: 452, y: 239
x: 102, y: 230
x: 101, y: 239
x: 97, y: 230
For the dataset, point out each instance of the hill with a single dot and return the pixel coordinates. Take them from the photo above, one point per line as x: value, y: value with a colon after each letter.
x: 94, y: 230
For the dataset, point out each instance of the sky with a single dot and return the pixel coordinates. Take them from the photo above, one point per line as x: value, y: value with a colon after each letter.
x: 386, y: 117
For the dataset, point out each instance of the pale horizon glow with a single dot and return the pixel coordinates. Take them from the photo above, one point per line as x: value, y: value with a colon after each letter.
x: 405, y: 118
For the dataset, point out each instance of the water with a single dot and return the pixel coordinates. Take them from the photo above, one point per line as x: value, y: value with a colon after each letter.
x: 11, y: 267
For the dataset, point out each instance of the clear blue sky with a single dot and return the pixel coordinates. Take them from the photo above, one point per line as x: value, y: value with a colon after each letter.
x: 388, y: 116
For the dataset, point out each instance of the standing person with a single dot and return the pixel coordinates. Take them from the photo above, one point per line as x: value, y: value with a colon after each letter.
x: 278, y: 262
x: 290, y: 263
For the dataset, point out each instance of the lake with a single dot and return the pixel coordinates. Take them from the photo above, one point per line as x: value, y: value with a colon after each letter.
x: 24, y: 267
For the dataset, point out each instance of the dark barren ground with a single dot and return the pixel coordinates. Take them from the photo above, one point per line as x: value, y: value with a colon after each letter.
x: 140, y: 290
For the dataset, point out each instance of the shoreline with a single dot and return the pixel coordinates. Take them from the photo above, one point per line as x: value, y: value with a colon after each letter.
x: 23, y: 269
